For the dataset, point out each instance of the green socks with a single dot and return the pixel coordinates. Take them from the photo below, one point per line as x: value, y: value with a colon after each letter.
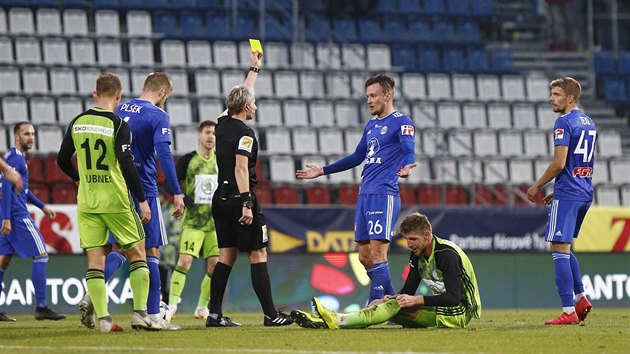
x: 178, y: 281
x: 95, y: 280
x: 204, y: 294
x: 139, y: 281
x: 370, y: 315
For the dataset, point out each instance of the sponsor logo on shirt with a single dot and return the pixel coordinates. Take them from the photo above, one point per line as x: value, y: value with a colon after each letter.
x: 166, y: 131
x: 559, y: 134
x: 94, y: 129
x: 407, y: 130
x: 246, y: 143
x: 383, y: 130
x: 583, y: 172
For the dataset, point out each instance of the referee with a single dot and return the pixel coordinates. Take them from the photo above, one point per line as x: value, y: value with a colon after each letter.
x: 239, y: 221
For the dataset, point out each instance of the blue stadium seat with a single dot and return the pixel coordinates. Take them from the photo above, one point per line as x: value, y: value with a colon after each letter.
x: 434, y: 7
x: 405, y: 57
x: 419, y: 32
x: 244, y: 28
x: 132, y: 4
x: 183, y: 4
x: 429, y: 60
x: 453, y: 60
x: 394, y: 31
x: 604, y: 63
x: 624, y: 63
x: 75, y: 4
x: 446, y: 31
x: 370, y: 31
x: 468, y: 32
x: 42, y: 3
x: 314, y: 5
x: 217, y: 27
x: 106, y: 4
x: 458, y: 7
x: 478, y: 60
x: 210, y: 5
x: 278, y: 30
x: 160, y: 4
x: 481, y: 8
x: 286, y: 5
x: 388, y: 7
x: 409, y: 7
x: 165, y: 23
x: 502, y: 61
x: 345, y: 29
x: 12, y: 3
x: 615, y: 90
x: 318, y: 29
x: 247, y: 5
x: 191, y: 26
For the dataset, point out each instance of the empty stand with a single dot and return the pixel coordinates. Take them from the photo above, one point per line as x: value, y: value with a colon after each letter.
x: 27, y: 50
x: 278, y: 140
x: 64, y: 193
x: 62, y: 80
x: 318, y: 195
x: 68, y: 107
x: 378, y: 57
x: 286, y: 83
x: 106, y: 23
x: 459, y: 142
x: 607, y: 194
x: 330, y: 141
x: 513, y: 87
x: 55, y: 50
x: 186, y: 139
x: 209, y: 109
x: 348, y: 194
x: 414, y: 86
x: 282, y: 168
x: 464, y: 87
x: 199, y: 54
x: 10, y: 78
x: 42, y: 110
x: 524, y: 115
x: 535, y: 143
x: 49, y: 138
x: 510, y: 142
x: 304, y: 140
x: 109, y: 51
x: 474, y: 115
x: 495, y: 170
x: 338, y: 85
x: 303, y: 55
x: 295, y: 113
x: 21, y: 21
x: 82, y: 51
x: 173, y: 53
x: 499, y: 115
x: 353, y: 56
x: 488, y: 88
x: 312, y: 84
x: 35, y: 80
x: 439, y: 86
x: 207, y: 82
x: 14, y: 109
x: 75, y: 22
x: 48, y: 21
x: 179, y: 111
x: 619, y: 170
x: 328, y: 56
x: 139, y: 24
x: 225, y: 55
x: 609, y: 143
x: 485, y: 142
x: 470, y: 170
x: 449, y: 115
x: 269, y: 113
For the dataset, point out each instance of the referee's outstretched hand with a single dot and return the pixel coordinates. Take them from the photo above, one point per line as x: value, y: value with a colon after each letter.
x: 312, y: 171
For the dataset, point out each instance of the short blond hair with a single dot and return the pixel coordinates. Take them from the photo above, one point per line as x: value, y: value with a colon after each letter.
x: 238, y: 97
x: 158, y: 80
x: 108, y: 85
x: 415, y: 222
x: 570, y: 86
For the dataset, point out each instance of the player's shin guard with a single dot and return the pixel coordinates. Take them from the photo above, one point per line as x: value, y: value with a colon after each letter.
x: 139, y: 281
x: 95, y: 280
x: 178, y: 281
x: 578, y: 287
x: 564, y: 278
x: 38, y: 275
x: 370, y: 315
x: 153, y: 301
x: 204, y: 293
x: 262, y: 287
x: 113, y: 261
x: 217, y: 287
x: 380, y: 280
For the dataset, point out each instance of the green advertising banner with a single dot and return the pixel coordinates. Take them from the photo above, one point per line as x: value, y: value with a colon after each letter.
x: 505, y: 281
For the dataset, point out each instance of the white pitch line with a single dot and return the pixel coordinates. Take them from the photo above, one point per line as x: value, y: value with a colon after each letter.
x: 187, y: 349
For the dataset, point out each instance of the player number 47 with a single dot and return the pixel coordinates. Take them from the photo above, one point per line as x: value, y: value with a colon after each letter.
x: 583, y: 148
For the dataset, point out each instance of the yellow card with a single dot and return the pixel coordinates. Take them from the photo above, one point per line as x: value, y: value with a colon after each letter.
x: 255, y: 44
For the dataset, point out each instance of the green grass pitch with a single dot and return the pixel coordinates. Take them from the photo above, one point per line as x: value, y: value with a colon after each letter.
x: 498, y: 331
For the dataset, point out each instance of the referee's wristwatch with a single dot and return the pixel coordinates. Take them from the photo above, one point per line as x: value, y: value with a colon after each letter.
x: 248, y: 204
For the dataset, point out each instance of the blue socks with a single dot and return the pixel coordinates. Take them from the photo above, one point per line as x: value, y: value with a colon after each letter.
x: 381, y: 282
x: 564, y: 277
x: 153, y: 302
x: 1, y: 278
x: 38, y: 276
x: 114, y: 260
x: 578, y: 287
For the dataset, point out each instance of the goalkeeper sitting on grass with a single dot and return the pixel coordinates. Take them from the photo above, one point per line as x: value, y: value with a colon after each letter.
x: 442, y: 265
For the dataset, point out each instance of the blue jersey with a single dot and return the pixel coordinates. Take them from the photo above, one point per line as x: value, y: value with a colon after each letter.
x: 382, y: 142
x: 577, y: 131
x: 15, y: 159
x: 149, y: 125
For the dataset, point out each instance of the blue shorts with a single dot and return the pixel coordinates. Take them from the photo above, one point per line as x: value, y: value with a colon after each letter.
x: 154, y: 230
x: 376, y: 217
x: 565, y: 219
x: 25, y: 239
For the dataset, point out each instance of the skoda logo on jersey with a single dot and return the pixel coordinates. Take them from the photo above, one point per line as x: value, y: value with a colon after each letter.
x: 373, y: 147
x: 207, y: 187
x: 384, y: 130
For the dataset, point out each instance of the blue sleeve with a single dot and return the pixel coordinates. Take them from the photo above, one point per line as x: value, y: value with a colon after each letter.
x: 162, y: 129
x: 32, y: 198
x: 409, y: 152
x: 7, y: 197
x: 406, y: 137
x: 561, y: 133
x: 163, y: 151
x: 350, y: 161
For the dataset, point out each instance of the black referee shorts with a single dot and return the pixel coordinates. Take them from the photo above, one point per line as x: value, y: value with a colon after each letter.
x: 230, y: 233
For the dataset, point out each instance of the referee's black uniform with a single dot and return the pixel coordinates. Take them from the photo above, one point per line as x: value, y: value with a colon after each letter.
x: 233, y: 138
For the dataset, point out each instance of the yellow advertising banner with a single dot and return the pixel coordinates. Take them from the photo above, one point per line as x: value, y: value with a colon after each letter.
x: 605, y: 229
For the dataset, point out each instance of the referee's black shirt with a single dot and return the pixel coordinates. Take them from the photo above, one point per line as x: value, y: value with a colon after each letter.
x: 235, y: 138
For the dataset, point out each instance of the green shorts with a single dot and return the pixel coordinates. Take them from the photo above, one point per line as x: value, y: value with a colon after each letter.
x: 442, y: 317
x: 126, y: 228
x: 193, y: 241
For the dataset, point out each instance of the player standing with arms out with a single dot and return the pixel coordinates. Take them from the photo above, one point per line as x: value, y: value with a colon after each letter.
x: 198, y: 171
x: 19, y: 232
x: 575, y: 135
x: 151, y: 130
x: 106, y: 174
x: 387, y: 147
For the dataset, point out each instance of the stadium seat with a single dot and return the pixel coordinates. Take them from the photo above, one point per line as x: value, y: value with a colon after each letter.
x: 429, y: 60
x: 123, y: 75
x: 431, y: 141
x: 3, y: 21
x: 10, y: 78
x: 318, y: 195
x: 179, y: 77
x: 48, y: 21
x: 502, y: 61
x: 330, y: 141
x: 229, y: 79
x: 352, y: 136
x: 609, y: 143
x: 278, y: 140
x: 68, y: 107
x: 445, y: 29
x: 165, y: 23
x: 225, y: 54
x: 328, y: 56
x: 601, y: 172
x: 445, y: 170
x: 353, y: 56
x: 348, y: 194
x: 499, y: 115
x: 303, y: 55
x: 468, y: 31
x: 495, y: 170
x: 185, y: 139
x: 439, y: 86
x: 304, y: 140
x: 459, y: 142
x: 106, y: 23
x: 449, y: 115
x: 245, y: 27
x: 180, y: 111
x: 619, y: 169
x: 615, y: 90
x: 62, y: 80
x: 429, y: 194
x: 338, y: 85
x: 424, y: 114
x: 312, y: 85
x: 278, y: 29
x: 82, y: 51
x: 42, y: 110
x: 39, y: 189
x: 49, y: 138
x: 469, y: 170
x: 625, y: 194
x: 191, y: 25
x: 604, y: 63
x: 623, y: 63
x: 513, y: 87
x: 345, y: 30
x: 207, y: 83
x: 276, y: 55
x: 369, y: 31
x: 379, y: 57
x: 75, y: 22
x: 395, y: 32
x: 27, y: 50
x: 55, y: 51
x: 537, y: 87
x: 453, y: 60
x: 482, y: 8
x: 4, y: 141
x: 405, y: 58
x: 109, y: 51
x: 455, y: 195
x: 65, y: 193
x: 199, y: 54
x: 510, y: 142
x: 521, y: 171
x: 407, y: 195
x: 478, y: 61
x: 535, y: 143
x: 138, y: 76
x: 483, y: 196
x: 86, y: 78
x: 546, y: 116
x: 269, y: 113
x: 434, y: 7
x: 14, y: 109
x: 485, y: 142
x: 34, y: 80
x: 21, y: 21
x: 464, y: 87
x: 263, y: 193
x: 608, y: 195
x: 138, y: 23
x: 6, y: 50
x: 264, y: 85
x: 140, y: 52
x: 286, y: 83
x: 413, y: 86
x: 281, y: 169
x: 346, y: 114
x: 209, y: 109
x: 287, y: 195
x: 35, y: 166
x: 321, y: 113
x: 524, y: 115
x: 488, y: 88
x: 295, y: 113
x: 173, y: 53
x: 474, y: 114
x: 218, y: 27
x: 106, y: 4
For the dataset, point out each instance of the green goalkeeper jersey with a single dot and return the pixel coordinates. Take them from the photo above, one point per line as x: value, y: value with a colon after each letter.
x: 98, y: 136
x: 199, y: 175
